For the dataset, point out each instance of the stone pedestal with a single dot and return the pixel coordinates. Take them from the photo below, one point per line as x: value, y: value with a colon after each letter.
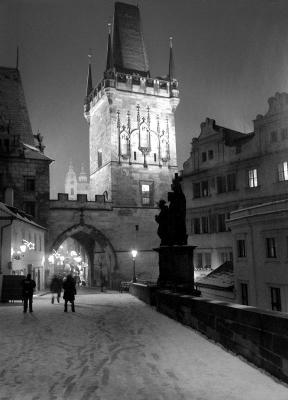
x: 176, y: 267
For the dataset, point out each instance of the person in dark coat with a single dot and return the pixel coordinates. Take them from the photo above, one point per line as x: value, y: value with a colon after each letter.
x: 28, y: 286
x: 69, y: 287
x: 56, y: 287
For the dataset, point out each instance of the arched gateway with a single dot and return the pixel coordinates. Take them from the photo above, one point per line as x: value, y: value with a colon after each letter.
x: 101, y: 255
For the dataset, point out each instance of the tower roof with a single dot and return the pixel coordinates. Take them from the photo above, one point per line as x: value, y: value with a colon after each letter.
x: 129, y: 51
x: 13, y: 109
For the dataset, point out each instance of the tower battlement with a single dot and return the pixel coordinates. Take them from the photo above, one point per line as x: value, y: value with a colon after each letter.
x: 63, y: 201
x: 132, y: 83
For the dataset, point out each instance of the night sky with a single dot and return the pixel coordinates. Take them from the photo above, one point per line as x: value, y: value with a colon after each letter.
x: 230, y: 57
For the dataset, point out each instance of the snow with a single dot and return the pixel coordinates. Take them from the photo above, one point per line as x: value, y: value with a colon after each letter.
x: 116, y: 347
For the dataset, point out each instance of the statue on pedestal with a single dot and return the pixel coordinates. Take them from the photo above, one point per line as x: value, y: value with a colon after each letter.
x: 171, y: 220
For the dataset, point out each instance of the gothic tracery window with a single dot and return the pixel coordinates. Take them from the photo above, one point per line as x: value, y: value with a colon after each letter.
x: 124, y: 144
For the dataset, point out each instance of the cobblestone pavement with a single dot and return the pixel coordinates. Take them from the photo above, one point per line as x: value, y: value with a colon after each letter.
x: 116, y: 347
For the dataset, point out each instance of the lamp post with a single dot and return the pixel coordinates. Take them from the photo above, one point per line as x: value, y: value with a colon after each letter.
x: 134, y: 255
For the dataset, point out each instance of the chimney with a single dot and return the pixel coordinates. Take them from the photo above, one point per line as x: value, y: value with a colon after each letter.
x: 9, y: 196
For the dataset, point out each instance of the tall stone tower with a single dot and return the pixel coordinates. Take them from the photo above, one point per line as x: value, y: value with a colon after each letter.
x: 131, y: 119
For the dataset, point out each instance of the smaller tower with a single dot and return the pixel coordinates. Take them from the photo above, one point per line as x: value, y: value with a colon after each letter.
x: 83, y: 186
x: 71, y: 183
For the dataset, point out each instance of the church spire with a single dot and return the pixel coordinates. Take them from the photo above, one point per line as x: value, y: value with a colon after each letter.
x: 89, y: 78
x: 171, y: 73
x: 109, y: 61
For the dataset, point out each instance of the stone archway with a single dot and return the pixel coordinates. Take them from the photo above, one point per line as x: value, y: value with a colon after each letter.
x: 97, y: 247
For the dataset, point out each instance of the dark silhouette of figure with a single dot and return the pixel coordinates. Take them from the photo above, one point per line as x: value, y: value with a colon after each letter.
x: 28, y: 286
x: 56, y: 287
x: 163, y: 220
x: 69, y: 287
x: 177, y: 214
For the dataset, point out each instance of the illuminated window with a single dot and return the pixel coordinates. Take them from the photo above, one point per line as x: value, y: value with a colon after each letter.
x: 146, y: 193
x: 252, y: 174
x: 283, y: 171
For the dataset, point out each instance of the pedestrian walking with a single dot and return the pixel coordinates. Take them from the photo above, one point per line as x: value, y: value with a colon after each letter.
x: 56, y: 288
x: 28, y: 286
x: 69, y: 287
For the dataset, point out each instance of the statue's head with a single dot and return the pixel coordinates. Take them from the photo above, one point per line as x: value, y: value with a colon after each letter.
x: 161, y: 204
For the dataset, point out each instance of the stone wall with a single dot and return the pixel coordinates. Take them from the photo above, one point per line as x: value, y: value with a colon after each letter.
x: 258, y: 335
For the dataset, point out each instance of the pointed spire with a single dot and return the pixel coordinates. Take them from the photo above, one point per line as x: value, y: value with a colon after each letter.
x: 171, y: 74
x: 89, y: 86
x: 109, y: 61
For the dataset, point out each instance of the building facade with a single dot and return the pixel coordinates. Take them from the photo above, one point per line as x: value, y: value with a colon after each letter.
x: 23, y: 164
x: 228, y: 170
x: 22, y: 245
x: 260, y: 248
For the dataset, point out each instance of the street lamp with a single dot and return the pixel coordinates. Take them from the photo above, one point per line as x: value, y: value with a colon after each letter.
x: 134, y: 255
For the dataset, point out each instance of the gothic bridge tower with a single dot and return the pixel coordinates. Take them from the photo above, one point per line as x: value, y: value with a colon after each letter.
x: 131, y: 119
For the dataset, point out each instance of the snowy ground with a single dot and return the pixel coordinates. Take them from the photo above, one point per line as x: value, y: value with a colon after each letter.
x: 116, y: 347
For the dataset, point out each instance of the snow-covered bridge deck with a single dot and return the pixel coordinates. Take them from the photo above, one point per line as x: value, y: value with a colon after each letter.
x: 116, y: 347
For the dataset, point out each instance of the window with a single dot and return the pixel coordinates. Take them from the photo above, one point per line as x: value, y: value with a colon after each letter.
x: 221, y: 184
x: 207, y: 257
x: 271, y: 248
x: 29, y: 208
x: 204, y: 222
x: 29, y: 184
x: 155, y: 158
x: 196, y: 190
x: 204, y: 188
x: 244, y: 293
x: 1, y: 182
x: 252, y: 175
x: 196, y: 225
x: 135, y: 156
x: 99, y: 158
x: 204, y: 156
x: 273, y: 137
x: 146, y: 193
x: 221, y: 223
x: 283, y: 171
x: 213, y: 223
x: 284, y: 133
x: 275, y: 298
x: 199, y: 262
x: 210, y: 154
x: 72, y: 191
x: 241, y: 248
x: 231, y: 182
